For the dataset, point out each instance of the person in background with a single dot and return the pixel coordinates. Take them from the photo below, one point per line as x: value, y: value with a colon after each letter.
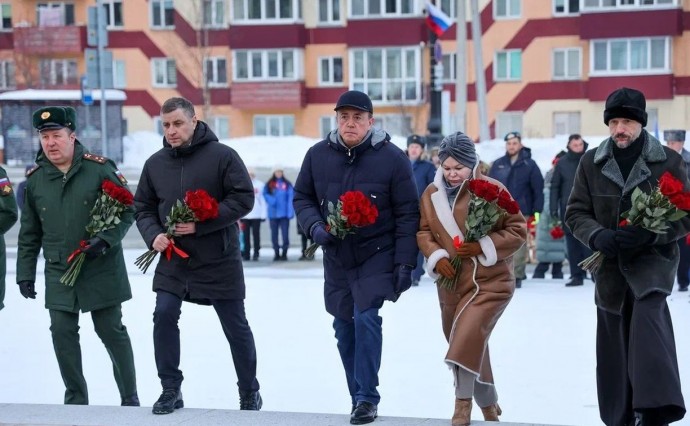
x: 638, y: 381
x: 521, y: 175
x: 61, y: 190
x: 433, y: 155
x: 252, y: 221
x: 424, y: 172
x: 8, y: 217
x: 675, y: 139
x: 191, y: 159
x: 306, y: 242
x: 550, y: 250
x: 561, y: 186
x: 279, y: 193
x: 486, y: 283
x: 375, y: 263
x: 21, y: 187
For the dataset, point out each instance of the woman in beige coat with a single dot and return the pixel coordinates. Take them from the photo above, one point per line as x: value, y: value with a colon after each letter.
x: 486, y: 283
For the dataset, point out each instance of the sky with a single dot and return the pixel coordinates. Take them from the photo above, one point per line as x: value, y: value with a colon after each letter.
x: 542, y: 349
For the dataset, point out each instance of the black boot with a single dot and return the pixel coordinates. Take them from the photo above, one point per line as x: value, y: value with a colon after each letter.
x: 169, y: 401
x: 364, y: 413
x: 277, y: 255
x: 283, y: 256
x: 557, y: 271
x: 250, y: 401
x: 574, y: 282
x: 256, y: 256
x: 131, y: 401
x: 245, y: 255
x: 682, y: 287
x: 540, y: 270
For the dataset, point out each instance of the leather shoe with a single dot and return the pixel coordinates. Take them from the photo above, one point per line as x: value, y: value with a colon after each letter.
x: 131, y: 401
x: 365, y: 412
x: 251, y: 401
x: 682, y: 287
x: 574, y: 282
x: 169, y: 401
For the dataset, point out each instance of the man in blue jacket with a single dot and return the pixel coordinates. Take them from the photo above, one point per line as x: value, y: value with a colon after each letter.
x: 373, y: 264
x: 521, y: 175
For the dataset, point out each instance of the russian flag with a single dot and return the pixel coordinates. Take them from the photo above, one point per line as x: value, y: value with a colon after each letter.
x: 437, y: 20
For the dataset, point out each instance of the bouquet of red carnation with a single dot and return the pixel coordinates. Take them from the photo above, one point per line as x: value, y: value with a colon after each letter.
x: 105, y: 214
x: 198, y: 206
x: 653, y: 211
x: 487, y: 204
x: 556, y: 230
x: 354, y: 210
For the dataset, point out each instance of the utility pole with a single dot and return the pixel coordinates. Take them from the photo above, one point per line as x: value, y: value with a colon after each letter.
x: 101, y: 74
x: 434, y: 124
x: 461, y: 67
x: 480, y: 81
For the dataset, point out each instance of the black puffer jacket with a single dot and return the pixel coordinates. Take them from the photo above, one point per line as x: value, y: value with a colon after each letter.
x: 214, y: 267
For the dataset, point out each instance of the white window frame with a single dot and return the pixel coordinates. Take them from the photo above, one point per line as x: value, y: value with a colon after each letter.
x: 215, y: 80
x: 413, y: 9
x: 566, y: 8
x: 163, y: 62
x: 3, y: 7
x: 119, y: 74
x: 394, y: 124
x: 110, y: 16
x: 324, y: 130
x: 7, y: 75
x: 217, y: 126
x: 271, y: 119
x: 503, y: 129
x: 510, y: 13
x: 567, y: 53
x: 266, y: 56
x: 628, y: 70
x: 57, y: 65
x: 599, y: 5
x: 449, y: 62
x: 365, y: 83
x: 64, y: 6
x: 158, y: 126
x: 218, y: 19
x: 243, y: 6
x: 508, y: 53
x: 331, y: 7
x: 329, y: 80
x: 449, y: 7
x: 570, y: 130
x: 162, y: 4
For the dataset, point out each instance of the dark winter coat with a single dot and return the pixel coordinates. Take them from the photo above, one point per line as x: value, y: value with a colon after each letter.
x: 424, y: 172
x: 214, y: 267
x: 686, y: 159
x: 549, y: 250
x: 562, y: 181
x: 359, y: 269
x: 56, y: 211
x: 599, y: 197
x: 8, y: 217
x: 523, y: 180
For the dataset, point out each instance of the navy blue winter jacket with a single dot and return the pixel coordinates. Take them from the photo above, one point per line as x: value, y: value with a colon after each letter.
x: 424, y: 172
x: 523, y: 180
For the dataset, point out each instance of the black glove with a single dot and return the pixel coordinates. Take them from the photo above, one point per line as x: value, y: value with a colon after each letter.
x: 27, y: 289
x: 605, y: 242
x: 631, y: 236
x: 402, y: 274
x: 323, y: 237
x: 94, y: 247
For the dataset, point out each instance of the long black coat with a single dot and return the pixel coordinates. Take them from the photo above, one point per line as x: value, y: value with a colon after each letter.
x: 598, y: 198
x: 214, y: 267
x: 359, y: 269
x: 562, y: 181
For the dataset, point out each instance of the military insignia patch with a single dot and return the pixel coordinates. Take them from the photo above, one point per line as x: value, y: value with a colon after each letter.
x: 5, y: 187
x: 120, y: 177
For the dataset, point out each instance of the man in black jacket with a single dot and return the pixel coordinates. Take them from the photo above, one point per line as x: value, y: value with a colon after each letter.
x: 637, y: 367
x: 561, y: 185
x: 193, y: 159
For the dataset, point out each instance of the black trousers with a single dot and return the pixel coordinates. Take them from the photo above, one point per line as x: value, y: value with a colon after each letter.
x: 252, y: 227
x: 166, y: 340
x: 577, y: 252
x: 684, y: 264
x: 637, y: 366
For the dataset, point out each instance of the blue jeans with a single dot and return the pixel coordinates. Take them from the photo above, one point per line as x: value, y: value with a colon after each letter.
x: 283, y: 224
x: 360, y: 342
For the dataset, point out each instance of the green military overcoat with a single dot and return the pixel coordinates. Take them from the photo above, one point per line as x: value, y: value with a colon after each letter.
x: 8, y: 216
x: 54, y: 217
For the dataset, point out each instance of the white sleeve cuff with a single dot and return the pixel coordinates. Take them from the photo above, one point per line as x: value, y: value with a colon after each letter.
x: 433, y: 260
x: 489, y: 256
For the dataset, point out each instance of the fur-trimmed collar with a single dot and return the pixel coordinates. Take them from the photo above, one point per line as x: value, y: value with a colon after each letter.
x: 652, y: 152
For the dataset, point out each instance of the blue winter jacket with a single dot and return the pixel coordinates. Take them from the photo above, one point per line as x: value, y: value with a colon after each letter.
x: 279, y: 201
x: 523, y: 180
x: 424, y: 172
x: 358, y: 270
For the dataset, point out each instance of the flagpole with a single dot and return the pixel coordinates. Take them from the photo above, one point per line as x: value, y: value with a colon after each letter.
x: 480, y: 81
x: 461, y: 67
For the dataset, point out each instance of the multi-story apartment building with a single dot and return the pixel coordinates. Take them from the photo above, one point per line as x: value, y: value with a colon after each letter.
x: 276, y: 67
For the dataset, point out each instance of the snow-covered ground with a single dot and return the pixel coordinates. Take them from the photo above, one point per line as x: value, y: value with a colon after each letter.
x: 542, y: 350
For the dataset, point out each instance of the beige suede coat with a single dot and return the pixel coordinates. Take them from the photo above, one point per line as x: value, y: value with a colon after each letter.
x: 486, y: 284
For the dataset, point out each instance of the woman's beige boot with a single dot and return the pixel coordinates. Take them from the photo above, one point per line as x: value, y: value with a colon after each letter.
x: 463, y: 409
x: 491, y: 412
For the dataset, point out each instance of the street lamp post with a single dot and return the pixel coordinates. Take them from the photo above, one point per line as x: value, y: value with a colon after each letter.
x: 435, y: 85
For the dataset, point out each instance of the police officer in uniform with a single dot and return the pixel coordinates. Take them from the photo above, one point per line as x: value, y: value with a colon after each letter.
x: 8, y: 217
x: 60, y: 192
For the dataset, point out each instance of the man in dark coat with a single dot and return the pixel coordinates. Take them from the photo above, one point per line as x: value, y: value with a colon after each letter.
x: 8, y: 217
x: 61, y: 190
x: 424, y: 172
x: 637, y: 367
x: 373, y: 264
x: 521, y: 175
x: 561, y: 185
x: 675, y: 139
x: 193, y: 159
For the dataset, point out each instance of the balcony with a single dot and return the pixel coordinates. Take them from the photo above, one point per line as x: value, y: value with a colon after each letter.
x: 623, y: 23
x: 50, y: 41
x: 269, y: 95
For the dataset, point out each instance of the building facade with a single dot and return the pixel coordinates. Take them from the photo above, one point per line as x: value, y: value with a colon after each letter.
x: 276, y: 67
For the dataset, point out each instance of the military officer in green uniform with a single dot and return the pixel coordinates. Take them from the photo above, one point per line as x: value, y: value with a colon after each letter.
x: 60, y: 192
x: 8, y: 217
